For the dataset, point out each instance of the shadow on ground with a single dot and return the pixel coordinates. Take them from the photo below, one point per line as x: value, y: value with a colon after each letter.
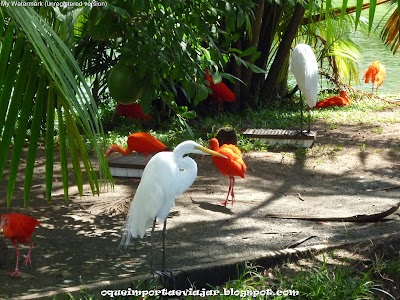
x: 77, y: 242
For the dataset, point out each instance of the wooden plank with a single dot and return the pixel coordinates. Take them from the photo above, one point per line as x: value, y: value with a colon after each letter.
x: 282, y: 136
x: 279, y: 134
x: 129, y: 161
x: 127, y: 166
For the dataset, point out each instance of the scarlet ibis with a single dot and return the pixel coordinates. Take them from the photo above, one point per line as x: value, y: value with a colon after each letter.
x: 304, y: 67
x: 233, y: 166
x: 342, y: 100
x: 167, y: 175
x: 376, y: 73
x: 141, y: 142
x: 133, y: 111
x: 220, y: 92
x: 19, y: 228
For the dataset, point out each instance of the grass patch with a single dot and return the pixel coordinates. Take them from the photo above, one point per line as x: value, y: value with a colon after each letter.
x: 311, y: 278
x: 278, y: 115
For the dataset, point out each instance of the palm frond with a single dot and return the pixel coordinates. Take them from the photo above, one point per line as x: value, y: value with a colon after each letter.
x: 71, y: 92
x: 390, y: 32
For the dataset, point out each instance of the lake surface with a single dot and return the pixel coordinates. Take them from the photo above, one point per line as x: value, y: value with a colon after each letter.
x: 374, y: 49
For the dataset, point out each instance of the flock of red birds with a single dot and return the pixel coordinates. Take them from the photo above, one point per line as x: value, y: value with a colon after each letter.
x: 219, y: 91
x: 376, y: 73
x: 19, y: 228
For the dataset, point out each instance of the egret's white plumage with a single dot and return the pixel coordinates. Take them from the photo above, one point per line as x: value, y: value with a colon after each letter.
x: 304, y: 67
x: 167, y: 175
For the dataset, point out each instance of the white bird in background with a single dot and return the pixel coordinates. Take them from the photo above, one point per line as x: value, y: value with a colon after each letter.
x: 304, y: 67
x: 167, y: 175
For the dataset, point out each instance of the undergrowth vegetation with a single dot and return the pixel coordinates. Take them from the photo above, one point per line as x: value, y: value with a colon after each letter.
x: 280, y: 116
x: 334, y: 275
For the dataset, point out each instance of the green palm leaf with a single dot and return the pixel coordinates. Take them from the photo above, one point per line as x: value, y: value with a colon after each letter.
x: 73, y: 96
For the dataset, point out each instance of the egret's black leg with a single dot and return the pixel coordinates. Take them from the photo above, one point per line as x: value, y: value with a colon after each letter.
x: 309, y: 121
x: 151, y: 247
x: 166, y: 276
x: 164, y: 234
x: 301, y: 114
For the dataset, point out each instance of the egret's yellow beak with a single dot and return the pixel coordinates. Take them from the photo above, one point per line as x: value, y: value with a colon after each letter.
x: 209, y: 151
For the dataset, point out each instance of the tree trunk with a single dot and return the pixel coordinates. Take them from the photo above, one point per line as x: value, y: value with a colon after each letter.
x: 271, y: 83
x: 272, y: 15
x: 245, y: 73
x: 256, y: 29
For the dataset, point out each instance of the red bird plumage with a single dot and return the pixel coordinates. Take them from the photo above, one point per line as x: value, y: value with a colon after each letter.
x: 342, y: 100
x: 380, y: 77
x: 19, y: 228
x: 376, y: 73
x: 141, y: 142
x: 133, y: 111
x: 220, y: 92
x: 233, y: 166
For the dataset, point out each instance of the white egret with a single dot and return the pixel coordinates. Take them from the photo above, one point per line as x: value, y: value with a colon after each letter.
x: 167, y: 175
x: 304, y: 67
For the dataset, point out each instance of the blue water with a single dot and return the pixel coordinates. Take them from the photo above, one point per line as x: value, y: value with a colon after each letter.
x: 374, y: 49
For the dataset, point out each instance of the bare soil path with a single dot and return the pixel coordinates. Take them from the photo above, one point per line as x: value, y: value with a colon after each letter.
x: 351, y: 169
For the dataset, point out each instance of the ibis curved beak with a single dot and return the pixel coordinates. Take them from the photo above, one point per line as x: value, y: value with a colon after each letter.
x: 209, y: 151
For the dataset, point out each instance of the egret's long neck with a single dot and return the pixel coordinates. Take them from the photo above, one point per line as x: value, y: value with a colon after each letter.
x: 187, y: 168
x: 187, y: 172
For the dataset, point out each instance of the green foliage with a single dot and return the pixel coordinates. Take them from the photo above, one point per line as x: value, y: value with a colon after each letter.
x: 280, y: 115
x: 31, y: 108
x: 338, y: 283
x: 333, y: 45
x: 168, y: 43
x: 320, y: 282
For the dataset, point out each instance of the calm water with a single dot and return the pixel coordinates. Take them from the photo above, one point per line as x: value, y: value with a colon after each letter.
x: 374, y: 49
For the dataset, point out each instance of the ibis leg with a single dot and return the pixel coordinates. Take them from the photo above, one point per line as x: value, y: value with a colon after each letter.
x: 233, y: 185
x: 28, y: 257
x: 229, y: 192
x: 16, y: 266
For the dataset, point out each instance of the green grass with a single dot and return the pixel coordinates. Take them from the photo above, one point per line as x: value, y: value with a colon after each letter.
x: 277, y: 115
x: 310, y: 279
x: 318, y: 282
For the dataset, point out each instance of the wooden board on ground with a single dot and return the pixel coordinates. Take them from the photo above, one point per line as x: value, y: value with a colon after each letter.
x: 127, y: 166
x: 282, y: 136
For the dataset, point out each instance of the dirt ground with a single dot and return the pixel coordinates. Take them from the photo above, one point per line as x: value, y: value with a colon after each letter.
x: 352, y: 169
